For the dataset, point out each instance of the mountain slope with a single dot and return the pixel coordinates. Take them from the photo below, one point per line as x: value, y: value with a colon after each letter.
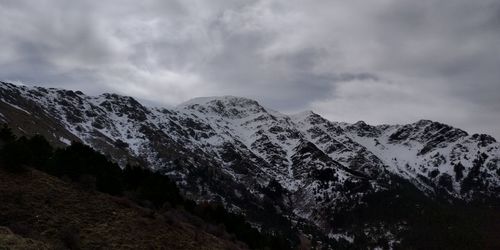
x: 436, y: 156
x: 279, y: 170
x: 62, y: 215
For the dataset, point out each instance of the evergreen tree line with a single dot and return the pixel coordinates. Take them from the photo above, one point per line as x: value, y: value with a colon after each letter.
x: 426, y: 222
x: 82, y: 164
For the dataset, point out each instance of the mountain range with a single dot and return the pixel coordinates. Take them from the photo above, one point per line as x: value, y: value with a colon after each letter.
x: 334, y: 182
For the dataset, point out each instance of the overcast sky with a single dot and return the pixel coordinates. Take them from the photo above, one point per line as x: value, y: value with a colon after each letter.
x: 381, y: 61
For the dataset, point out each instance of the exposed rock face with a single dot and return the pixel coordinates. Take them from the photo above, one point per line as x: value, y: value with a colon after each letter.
x: 303, y: 167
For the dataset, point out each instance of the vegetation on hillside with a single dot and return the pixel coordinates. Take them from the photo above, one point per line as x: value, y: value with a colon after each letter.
x: 80, y: 163
x: 420, y: 221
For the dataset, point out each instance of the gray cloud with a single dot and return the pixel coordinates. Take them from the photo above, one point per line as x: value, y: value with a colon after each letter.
x: 382, y: 61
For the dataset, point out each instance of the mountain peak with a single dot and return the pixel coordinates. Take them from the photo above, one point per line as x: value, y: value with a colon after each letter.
x: 227, y: 100
x: 361, y: 128
x: 424, y: 122
x: 360, y: 123
x: 228, y: 106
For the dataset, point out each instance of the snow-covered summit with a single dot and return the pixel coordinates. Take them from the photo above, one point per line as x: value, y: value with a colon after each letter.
x: 228, y: 106
x: 228, y: 99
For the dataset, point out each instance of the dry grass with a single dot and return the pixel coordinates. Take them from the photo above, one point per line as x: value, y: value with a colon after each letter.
x: 9, y: 240
x: 62, y: 215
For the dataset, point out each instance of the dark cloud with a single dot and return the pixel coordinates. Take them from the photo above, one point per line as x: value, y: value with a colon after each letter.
x: 382, y: 61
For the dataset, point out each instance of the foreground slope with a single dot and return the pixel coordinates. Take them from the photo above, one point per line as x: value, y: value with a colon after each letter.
x: 51, y: 213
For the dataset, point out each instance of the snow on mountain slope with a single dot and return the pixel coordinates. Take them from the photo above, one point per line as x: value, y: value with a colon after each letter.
x: 266, y: 134
x: 252, y: 158
x: 334, y: 141
x: 434, y: 155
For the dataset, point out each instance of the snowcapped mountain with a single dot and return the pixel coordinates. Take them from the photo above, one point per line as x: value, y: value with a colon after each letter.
x: 280, y: 170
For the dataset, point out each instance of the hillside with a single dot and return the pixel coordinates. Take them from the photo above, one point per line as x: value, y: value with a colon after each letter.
x: 61, y: 214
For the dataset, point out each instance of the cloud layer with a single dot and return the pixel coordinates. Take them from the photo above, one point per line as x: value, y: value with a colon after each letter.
x: 381, y: 61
